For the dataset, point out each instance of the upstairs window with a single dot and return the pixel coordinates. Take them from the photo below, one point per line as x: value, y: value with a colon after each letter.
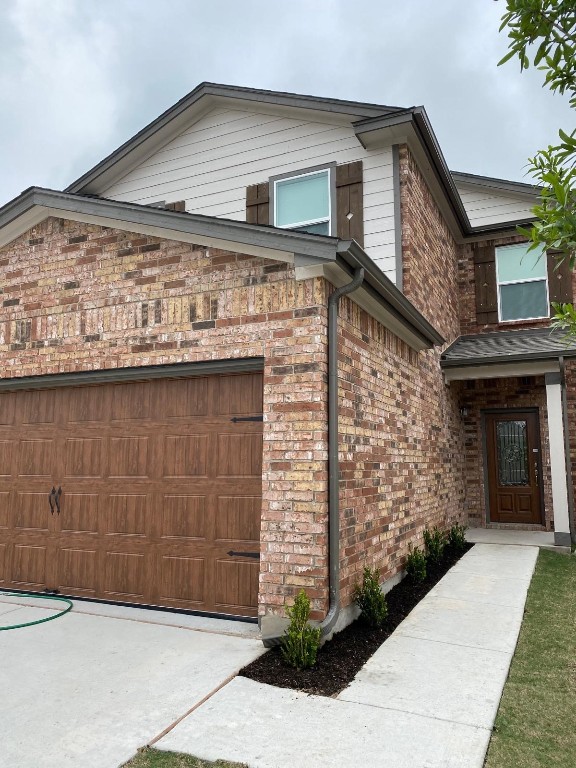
x: 303, y: 202
x: 522, y: 278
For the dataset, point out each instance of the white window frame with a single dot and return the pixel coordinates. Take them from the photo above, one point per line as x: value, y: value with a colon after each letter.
x: 329, y: 170
x: 499, y: 283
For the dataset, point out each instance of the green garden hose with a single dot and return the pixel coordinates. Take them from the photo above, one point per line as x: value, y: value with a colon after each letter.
x: 41, y: 597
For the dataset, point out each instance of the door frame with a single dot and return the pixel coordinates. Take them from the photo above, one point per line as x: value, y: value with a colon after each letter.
x: 508, y: 411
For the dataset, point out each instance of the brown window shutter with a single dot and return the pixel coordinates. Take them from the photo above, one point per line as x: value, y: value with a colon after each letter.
x: 258, y: 204
x: 485, y: 281
x: 179, y: 206
x: 349, y: 202
x: 559, y: 280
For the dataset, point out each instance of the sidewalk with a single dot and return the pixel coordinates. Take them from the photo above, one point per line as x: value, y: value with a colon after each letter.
x: 426, y: 699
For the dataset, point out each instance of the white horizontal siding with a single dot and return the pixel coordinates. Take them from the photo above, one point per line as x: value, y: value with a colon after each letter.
x: 211, y: 163
x: 493, y: 207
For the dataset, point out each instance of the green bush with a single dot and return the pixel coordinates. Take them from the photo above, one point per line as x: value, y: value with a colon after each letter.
x: 371, y: 599
x: 416, y: 564
x: 301, y: 641
x: 435, y: 542
x: 457, y: 537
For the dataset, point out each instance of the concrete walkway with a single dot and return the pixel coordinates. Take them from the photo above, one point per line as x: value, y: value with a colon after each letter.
x: 426, y: 699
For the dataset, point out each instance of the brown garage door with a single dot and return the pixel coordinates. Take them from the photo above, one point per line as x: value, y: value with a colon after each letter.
x: 161, y: 486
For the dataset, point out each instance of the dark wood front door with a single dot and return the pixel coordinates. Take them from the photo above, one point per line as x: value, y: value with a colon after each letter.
x: 160, y: 491
x: 514, y: 467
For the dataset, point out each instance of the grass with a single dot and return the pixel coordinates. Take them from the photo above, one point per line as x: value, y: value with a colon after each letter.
x: 153, y: 758
x: 536, y: 723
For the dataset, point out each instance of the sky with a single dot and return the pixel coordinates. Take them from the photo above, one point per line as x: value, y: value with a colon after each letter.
x: 80, y: 77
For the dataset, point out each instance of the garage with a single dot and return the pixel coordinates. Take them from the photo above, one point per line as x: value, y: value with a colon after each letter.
x: 136, y: 491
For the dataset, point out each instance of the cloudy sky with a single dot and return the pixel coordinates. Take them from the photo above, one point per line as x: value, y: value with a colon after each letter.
x: 79, y: 77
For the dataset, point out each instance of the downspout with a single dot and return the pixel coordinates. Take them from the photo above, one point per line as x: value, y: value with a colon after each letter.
x: 274, y: 637
x: 567, y: 448
x: 333, y: 464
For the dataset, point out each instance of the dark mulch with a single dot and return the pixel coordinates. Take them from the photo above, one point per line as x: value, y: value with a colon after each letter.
x: 340, y: 659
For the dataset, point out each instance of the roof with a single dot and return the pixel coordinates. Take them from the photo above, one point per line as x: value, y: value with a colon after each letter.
x: 170, y: 120
x: 508, y: 347
x: 299, y: 248
x: 371, y: 122
x: 503, y: 185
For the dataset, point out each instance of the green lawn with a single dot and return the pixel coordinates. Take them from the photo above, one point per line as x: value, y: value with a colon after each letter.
x: 536, y: 722
x: 152, y: 758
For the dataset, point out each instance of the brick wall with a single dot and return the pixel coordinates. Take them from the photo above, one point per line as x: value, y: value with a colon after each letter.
x: 429, y: 252
x: 401, y: 447
x: 78, y: 297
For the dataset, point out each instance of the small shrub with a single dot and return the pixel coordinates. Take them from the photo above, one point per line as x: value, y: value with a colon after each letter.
x: 370, y: 598
x: 457, y: 537
x: 435, y: 541
x: 416, y: 564
x: 301, y: 641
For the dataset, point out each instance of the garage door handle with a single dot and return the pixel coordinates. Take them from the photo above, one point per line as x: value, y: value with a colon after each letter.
x: 57, y: 495
x: 255, y: 555
x: 50, y: 495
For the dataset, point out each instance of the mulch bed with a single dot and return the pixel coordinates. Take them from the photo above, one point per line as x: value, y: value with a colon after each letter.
x: 341, y: 659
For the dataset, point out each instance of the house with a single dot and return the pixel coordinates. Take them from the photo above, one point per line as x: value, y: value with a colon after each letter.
x: 263, y: 344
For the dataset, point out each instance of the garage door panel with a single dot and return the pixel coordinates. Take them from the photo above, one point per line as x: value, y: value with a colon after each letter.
x: 131, y: 402
x: 77, y: 570
x: 29, y: 565
x: 129, y: 457
x: 6, y: 455
x: 8, y: 409
x: 183, y: 517
x: 5, y: 506
x: 240, y: 394
x: 88, y: 405
x: 239, y: 455
x: 183, y: 579
x: 4, y: 568
x: 185, y: 455
x: 83, y: 457
x: 236, y: 588
x: 38, y: 406
x: 127, y: 514
x: 32, y: 511
x: 36, y: 458
x: 79, y: 513
x: 125, y: 574
x: 182, y: 398
x: 238, y: 519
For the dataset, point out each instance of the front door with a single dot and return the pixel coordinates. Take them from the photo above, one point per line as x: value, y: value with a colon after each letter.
x: 514, y: 467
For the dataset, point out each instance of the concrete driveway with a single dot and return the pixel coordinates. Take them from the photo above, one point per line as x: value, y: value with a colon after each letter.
x: 90, y: 687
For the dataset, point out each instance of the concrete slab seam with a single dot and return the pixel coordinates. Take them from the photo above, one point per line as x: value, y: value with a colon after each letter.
x: 417, y: 714
x: 459, y: 645
x: 192, y: 709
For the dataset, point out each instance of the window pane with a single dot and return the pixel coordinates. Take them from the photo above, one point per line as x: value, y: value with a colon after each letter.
x: 302, y: 199
x: 512, y: 451
x: 523, y: 301
x: 515, y: 264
